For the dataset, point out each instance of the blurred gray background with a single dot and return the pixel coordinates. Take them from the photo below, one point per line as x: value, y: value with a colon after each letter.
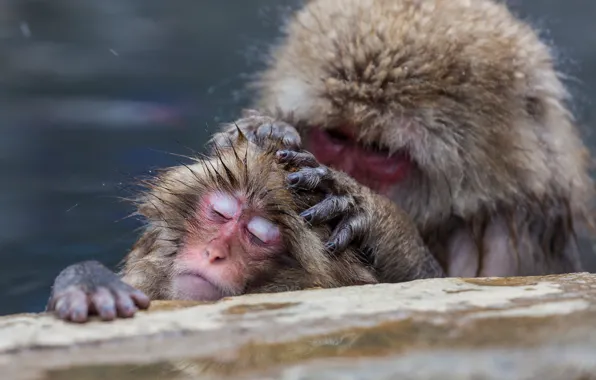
x: 95, y: 93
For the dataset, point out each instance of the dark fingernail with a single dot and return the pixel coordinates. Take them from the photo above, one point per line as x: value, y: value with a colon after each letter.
x: 330, y: 247
x: 130, y: 312
x: 79, y: 316
x: 307, y: 215
x: 293, y: 178
x: 106, y: 310
x: 282, y: 153
x: 63, y: 313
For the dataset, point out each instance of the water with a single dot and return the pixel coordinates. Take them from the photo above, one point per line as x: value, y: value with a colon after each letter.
x: 95, y: 93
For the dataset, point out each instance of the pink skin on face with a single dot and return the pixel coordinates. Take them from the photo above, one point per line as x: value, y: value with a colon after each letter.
x: 368, y: 167
x: 215, y: 264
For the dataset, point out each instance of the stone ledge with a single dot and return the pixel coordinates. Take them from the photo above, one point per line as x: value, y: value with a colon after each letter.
x: 532, y: 327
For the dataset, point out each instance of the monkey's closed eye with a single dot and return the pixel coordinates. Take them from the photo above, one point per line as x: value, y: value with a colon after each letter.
x: 224, y: 206
x: 262, y: 230
x: 220, y: 216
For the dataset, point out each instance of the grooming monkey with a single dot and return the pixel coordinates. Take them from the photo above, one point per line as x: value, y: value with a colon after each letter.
x: 229, y: 224
x: 450, y: 108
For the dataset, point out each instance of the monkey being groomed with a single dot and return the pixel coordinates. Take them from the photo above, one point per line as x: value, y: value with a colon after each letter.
x: 229, y: 224
x: 452, y: 109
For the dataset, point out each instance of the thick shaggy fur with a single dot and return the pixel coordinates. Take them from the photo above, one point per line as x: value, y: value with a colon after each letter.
x: 472, y: 94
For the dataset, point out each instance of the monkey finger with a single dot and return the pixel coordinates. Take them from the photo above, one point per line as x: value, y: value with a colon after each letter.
x: 280, y: 131
x: 140, y: 299
x: 292, y: 140
x: 61, y: 307
x: 70, y: 304
x: 299, y: 159
x: 78, y: 310
x: 328, y: 209
x: 309, y: 178
x: 226, y: 139
x: 132, y: 292
x: 124, y: 305
x: 52, y: 303
x: 345, y: 233
x: 103, y: 302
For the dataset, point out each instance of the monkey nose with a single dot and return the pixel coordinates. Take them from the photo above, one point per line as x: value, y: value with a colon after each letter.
x: 215, y: 255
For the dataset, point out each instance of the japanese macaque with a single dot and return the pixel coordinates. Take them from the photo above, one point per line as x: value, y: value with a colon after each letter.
x: 450, y: 108
x: 229, y: 224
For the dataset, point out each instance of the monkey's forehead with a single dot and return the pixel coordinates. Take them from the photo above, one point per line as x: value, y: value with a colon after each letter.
x: 257, y: 175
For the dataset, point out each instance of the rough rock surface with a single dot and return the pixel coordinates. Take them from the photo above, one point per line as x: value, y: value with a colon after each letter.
x: 508, y: 328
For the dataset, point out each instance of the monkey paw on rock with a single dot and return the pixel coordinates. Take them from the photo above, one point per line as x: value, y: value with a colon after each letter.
x: 89, y: 288
x: 344, y: 200
x: 257, y: 127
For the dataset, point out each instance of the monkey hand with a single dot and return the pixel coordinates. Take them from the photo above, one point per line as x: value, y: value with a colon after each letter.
x: 373, y: 223
x: 345, y: 200
x: 258, y: 128
x: 89, y: 288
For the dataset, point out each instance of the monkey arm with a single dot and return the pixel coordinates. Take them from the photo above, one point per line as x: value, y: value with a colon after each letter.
x: 393, y: 242
x: 377, y: 226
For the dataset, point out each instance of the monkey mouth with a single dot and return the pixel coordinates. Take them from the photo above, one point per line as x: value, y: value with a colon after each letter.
x: 198, y: 276
x: 194, y: 286
x: 372, y: 165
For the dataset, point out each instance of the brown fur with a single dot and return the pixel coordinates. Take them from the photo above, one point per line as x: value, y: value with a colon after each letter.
x: 171, y: 199
x: 472, y: 93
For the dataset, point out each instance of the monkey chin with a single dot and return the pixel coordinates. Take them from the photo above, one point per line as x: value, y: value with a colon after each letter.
x: 376, y: 168
x: 192, y: 286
